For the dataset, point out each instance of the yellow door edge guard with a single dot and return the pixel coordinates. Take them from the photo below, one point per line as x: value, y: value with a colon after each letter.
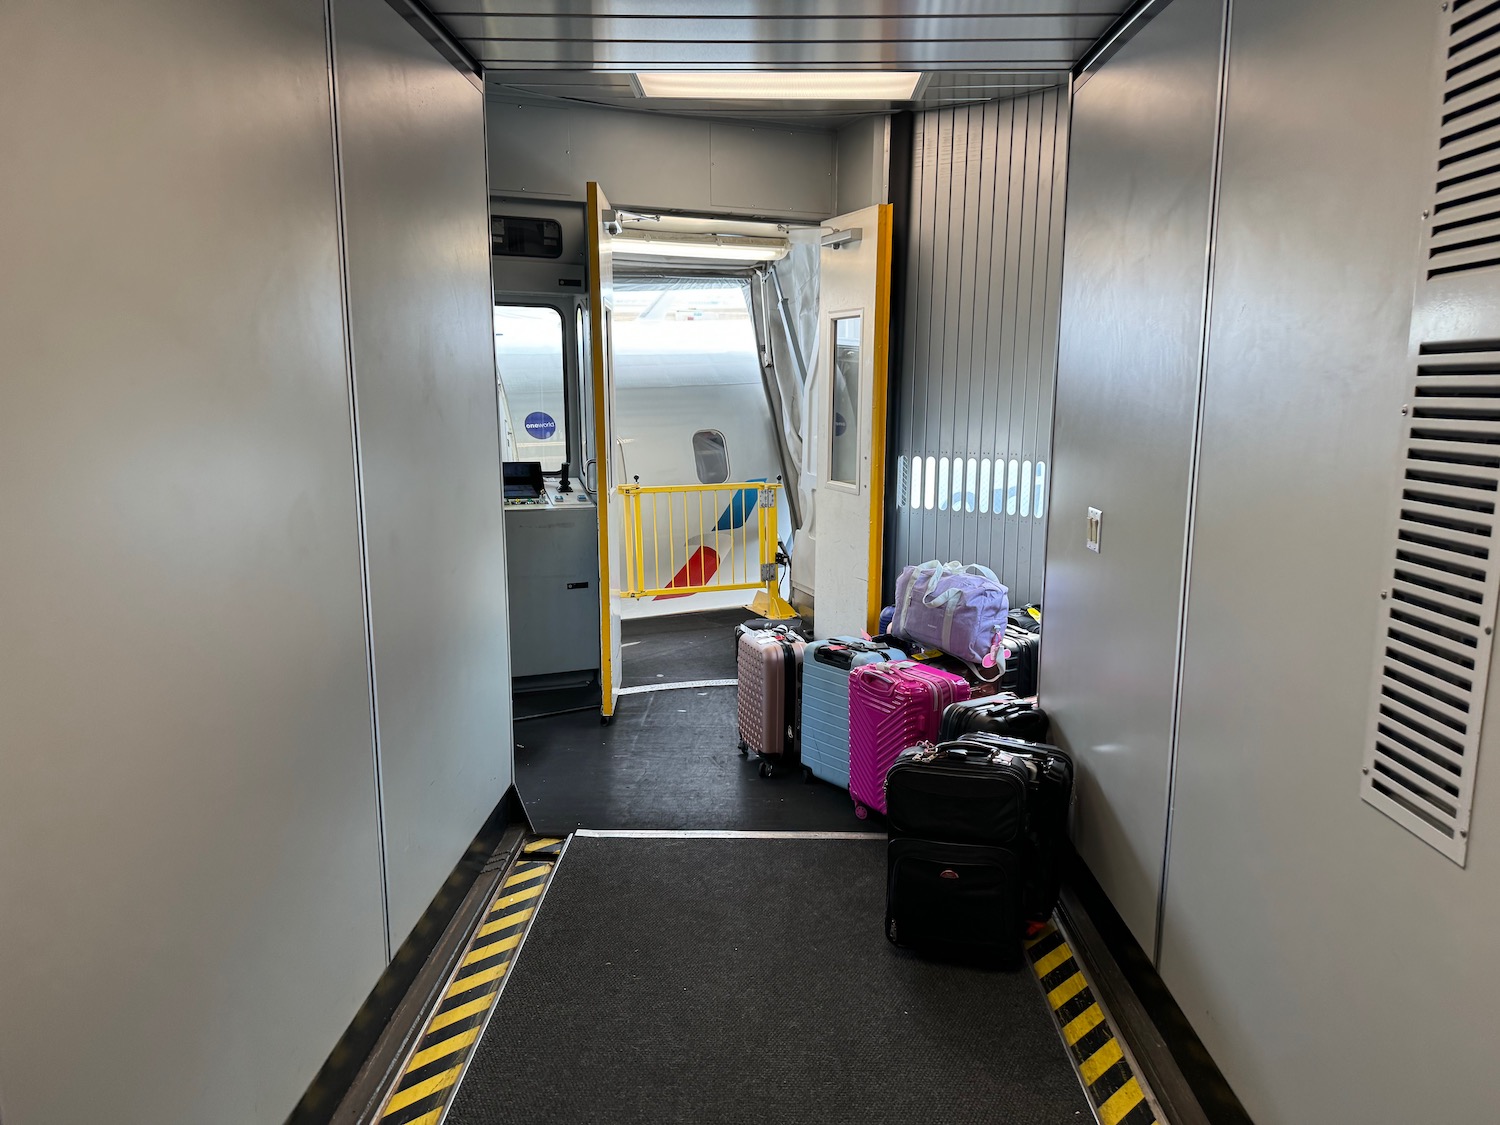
x: 708, y: 526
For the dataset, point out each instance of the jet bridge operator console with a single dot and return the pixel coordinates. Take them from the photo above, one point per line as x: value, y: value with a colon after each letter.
x: 552, y: 565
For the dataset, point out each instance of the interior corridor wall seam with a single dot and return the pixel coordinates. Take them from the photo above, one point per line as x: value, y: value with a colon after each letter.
x: 347, y: 327
x: 1180, y: 658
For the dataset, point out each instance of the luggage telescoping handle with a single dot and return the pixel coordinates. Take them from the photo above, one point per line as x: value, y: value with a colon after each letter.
x: 932, y: 752
x: 883, y: 675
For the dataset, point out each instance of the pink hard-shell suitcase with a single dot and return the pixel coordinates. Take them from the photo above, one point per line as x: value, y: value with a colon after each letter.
x: 891, y: 707
x: 770, y: 681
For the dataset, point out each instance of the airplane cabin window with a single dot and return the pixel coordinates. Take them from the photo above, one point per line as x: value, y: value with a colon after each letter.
x: 711, y: 456
x: 529, y: 356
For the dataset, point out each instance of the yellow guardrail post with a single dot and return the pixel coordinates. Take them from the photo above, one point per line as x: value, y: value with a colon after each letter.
x: 769, y: 603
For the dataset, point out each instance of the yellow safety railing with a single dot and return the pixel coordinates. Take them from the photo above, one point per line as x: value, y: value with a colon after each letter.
x: 691, y: 538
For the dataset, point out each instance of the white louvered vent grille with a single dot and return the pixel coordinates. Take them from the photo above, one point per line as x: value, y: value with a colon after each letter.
x: 1433, y: 663
x: 1464, y: 230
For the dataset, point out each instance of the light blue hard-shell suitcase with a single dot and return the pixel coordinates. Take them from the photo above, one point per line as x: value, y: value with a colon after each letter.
x: 825, y: 702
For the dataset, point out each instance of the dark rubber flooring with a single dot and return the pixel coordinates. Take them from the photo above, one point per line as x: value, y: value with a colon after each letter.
x: 668, y: 650
x: 670, y: 759
x: 749, y: 981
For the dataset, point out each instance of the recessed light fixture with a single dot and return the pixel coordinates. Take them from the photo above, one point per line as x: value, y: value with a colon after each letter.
x: 781, y: 85
x: 709, y: 247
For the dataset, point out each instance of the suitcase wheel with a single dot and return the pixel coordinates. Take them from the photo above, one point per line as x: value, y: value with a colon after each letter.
x: 807, y: 775
x: 744, y: 749
x: 861, y: 812
x: 766, y: 769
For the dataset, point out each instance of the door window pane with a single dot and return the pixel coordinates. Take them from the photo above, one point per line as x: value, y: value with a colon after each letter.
x: 844, y: 420
x: 529, y: 357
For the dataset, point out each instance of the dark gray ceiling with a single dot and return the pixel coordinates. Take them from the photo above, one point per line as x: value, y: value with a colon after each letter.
x: 585, y: 50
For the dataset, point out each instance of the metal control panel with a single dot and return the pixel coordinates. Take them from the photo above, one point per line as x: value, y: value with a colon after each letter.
x: 552, y: 550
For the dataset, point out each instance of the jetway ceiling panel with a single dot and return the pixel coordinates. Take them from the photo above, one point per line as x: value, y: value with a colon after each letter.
x: 411, y: 132
x: 979, y: 338
x: 190, y: 903
x: 1140, y: 188
x: 613, y: 88
x: 591, y: 46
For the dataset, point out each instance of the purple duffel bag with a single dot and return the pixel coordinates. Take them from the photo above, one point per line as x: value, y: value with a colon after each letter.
x: 959, y: 609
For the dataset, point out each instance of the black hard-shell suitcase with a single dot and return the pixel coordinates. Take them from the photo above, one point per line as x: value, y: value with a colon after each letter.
x: 1027, y: 617
x: 1050, y: 798
x: 955, y: 877
x: 1021, y: 651
x: 1004, y: 714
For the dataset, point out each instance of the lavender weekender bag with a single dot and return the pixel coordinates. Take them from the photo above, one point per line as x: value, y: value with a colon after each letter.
x: 959, y: 609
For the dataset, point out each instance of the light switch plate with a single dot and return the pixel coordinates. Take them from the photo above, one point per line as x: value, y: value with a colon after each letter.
x: 1096, y: 520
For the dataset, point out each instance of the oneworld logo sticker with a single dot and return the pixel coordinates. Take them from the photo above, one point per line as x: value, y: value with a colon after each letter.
x: 540, y: 425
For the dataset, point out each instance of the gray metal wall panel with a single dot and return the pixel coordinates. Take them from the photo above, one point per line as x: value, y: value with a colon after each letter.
x: 188, y: 855
x: 1140, y: 185
x: 694, y: 165
x: 979, y: 344
x: 417, y: 219
x: 1337, y: 967
x: 862, y: 156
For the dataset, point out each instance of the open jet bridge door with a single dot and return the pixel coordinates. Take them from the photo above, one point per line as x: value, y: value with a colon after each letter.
x: 604, y: 457
x: 854, y: 337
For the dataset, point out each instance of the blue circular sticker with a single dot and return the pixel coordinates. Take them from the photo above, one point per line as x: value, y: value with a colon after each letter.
x: 839, y: 425
x: 540, y: 425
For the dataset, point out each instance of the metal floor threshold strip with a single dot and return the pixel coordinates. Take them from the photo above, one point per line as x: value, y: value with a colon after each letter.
x: 420, y: 1096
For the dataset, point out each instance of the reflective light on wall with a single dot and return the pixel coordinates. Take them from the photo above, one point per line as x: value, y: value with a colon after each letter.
x: 780, y: 85
x: 959, y: 484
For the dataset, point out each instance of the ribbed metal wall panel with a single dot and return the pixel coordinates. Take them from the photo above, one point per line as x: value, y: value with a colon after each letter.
x: 979, y: 337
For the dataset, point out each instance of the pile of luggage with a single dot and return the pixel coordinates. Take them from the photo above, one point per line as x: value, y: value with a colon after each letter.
x: 925, y: 724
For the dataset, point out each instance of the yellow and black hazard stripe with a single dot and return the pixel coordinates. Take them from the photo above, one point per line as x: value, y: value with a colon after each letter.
x: 543, y: 847
x: 437, y: 1062
x: 1116, y: 1091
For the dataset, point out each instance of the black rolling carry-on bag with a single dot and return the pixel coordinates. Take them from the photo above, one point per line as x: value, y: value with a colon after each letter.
x: 1021, y: 652
x: 955, y: 866
x: 1002, y: 714
x: 1049, y: 798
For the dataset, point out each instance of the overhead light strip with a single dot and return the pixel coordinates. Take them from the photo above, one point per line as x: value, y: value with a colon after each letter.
x: 780, y: 85
x: 710, y: 247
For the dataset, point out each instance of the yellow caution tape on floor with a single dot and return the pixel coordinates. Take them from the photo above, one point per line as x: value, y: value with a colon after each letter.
x: 452, y: 1031
x: 1103, y: 1066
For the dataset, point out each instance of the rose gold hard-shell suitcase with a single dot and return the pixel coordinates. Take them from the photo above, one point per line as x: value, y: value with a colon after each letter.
x: 770, y: 686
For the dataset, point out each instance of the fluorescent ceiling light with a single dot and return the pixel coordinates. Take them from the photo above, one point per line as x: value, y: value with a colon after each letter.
x: 782, y: 85
x: 711, y: 247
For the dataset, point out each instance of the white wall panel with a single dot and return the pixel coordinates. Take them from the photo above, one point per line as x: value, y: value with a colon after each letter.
x: 417, y: 218
x: 1140, y: 187
x: 189, y: 872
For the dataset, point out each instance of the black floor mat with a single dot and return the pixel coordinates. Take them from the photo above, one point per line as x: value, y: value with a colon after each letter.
x: 748, y: 981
